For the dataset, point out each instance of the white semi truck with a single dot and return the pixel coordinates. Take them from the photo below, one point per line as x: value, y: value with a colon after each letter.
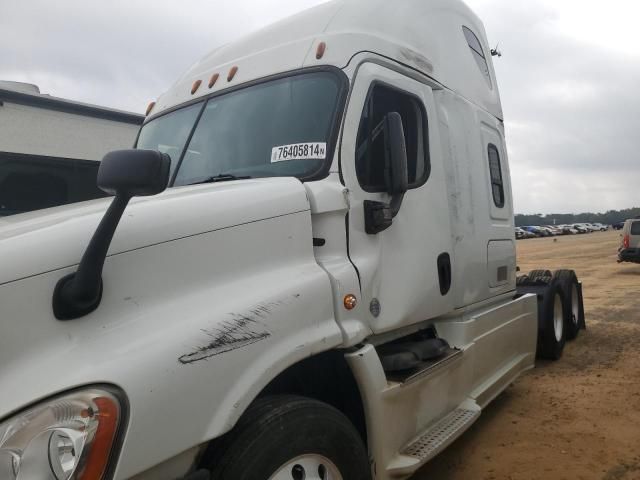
x: 327, y: 290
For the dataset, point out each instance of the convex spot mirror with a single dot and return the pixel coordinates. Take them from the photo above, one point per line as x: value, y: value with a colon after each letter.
x: 125, y: 174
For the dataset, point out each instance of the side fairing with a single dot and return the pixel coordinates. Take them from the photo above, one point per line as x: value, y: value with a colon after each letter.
x: 482, y: 233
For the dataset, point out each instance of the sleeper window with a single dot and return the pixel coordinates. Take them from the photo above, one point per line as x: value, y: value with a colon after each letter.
x: 370, y: 148
x: 495, y: 170
x: 478, y: 53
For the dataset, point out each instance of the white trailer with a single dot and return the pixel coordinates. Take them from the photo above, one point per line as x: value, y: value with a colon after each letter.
x: 327, y: 290
x: 50, y: 147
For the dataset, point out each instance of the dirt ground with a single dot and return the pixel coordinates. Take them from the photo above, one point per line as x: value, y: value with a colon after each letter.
x: 578, y: 418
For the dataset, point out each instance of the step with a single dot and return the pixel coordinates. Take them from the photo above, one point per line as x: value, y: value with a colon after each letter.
x: 434, y: 440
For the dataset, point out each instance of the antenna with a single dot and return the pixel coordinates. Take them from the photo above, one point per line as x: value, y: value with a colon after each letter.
x: 495, y: 52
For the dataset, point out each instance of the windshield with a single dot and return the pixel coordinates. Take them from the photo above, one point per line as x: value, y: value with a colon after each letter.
x: 282, y: 127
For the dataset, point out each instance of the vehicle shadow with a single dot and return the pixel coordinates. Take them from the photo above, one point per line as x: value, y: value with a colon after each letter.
x: 446, y: 465
x: 632, y: 271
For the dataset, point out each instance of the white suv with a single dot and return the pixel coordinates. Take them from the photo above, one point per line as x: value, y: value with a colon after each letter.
x: 629, y: 251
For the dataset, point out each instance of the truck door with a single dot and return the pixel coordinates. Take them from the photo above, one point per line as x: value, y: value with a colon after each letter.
x: 405, y: 270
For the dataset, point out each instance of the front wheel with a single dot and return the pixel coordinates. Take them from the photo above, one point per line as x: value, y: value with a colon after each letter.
x: 291, y: 438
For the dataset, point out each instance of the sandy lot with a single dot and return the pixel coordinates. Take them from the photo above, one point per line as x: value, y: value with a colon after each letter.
x: 578, y: 418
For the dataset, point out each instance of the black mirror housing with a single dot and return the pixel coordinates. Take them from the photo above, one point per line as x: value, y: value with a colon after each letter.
x: 379, y: 216
x: 134, y: 173
x: 397, y: 169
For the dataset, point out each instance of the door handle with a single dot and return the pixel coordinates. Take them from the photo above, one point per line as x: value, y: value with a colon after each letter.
x: 444, y: 272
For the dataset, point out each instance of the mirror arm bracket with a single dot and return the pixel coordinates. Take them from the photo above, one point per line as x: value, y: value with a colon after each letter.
x: 378, y: 216
x: 80, y: 293
x: 396, y: 203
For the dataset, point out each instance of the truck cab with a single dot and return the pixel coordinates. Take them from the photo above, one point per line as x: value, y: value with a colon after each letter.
x: 327, y: 289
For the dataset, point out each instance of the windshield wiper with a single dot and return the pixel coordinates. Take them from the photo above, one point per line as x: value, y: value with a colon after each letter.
x: 224, y: 177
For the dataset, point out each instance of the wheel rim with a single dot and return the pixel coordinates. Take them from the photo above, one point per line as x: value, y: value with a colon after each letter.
x: 308, y: 467
x: 575, y: 304
x: 558, y: 318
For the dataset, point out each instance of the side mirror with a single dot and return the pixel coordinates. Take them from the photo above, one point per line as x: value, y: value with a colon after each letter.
x: 379, y: 216
x: 125, y: 174
x: 134, y: 173
x: 397, y: 176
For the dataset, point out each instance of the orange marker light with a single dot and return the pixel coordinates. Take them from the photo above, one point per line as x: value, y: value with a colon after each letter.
x: 350, y: 302
x: 322, y: 47
x: 149, y: 108
x: 232, y: 73
x: 214, y: 79
x: 109, y: 415
x: 196, y: 86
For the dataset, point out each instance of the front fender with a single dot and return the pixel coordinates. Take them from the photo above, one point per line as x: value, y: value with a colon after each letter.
x: 192, y: 330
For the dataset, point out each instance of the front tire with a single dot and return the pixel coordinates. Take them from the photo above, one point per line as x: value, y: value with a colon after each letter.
x: 288, y: 437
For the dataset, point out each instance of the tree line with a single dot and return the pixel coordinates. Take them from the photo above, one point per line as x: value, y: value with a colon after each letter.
x: 607, y: 218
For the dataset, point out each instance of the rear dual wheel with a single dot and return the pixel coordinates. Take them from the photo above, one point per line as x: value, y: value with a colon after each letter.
x: 574, y: 308
x: 540, y: 275
x: 551, y: 312
x: 560, y: 308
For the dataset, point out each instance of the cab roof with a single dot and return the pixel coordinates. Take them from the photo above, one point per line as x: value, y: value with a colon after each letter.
x: 430, y: 36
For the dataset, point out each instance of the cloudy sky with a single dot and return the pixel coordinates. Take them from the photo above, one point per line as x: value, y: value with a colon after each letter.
x: 569, y: 76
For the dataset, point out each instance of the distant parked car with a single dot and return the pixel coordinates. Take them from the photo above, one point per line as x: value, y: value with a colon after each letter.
x: 535, y: 230
x: 629, y: 251
x: 555, y: 229
x: 522, y: 234
x: 550, y: 231
x: 618, y: 226
x: 581, y: 228
x: 568, y: 230
x: 601, y: 227
x: 586, y: 226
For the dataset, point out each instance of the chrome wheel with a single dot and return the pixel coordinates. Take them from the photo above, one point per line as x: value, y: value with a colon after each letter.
x: 558, y: 318
x: 308, y: 467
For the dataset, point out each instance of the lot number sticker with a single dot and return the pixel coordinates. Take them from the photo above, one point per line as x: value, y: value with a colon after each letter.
x: 299, y: 151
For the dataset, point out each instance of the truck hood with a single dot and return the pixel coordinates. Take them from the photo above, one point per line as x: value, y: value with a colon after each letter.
x: 47, y: 240
x: 210, y: 292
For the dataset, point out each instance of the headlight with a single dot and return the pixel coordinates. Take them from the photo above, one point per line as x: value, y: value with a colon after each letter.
x: 69, y: 437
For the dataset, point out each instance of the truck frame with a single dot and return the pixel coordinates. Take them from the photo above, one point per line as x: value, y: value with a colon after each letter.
x: 328, y: 289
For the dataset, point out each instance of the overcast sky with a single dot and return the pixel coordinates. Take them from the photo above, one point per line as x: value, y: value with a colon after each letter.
x: 569, y: 76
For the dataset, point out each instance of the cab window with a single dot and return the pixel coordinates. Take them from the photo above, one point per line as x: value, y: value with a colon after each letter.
x: 495, y: 170
x: 371, y: 159
x: 478, y: 53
